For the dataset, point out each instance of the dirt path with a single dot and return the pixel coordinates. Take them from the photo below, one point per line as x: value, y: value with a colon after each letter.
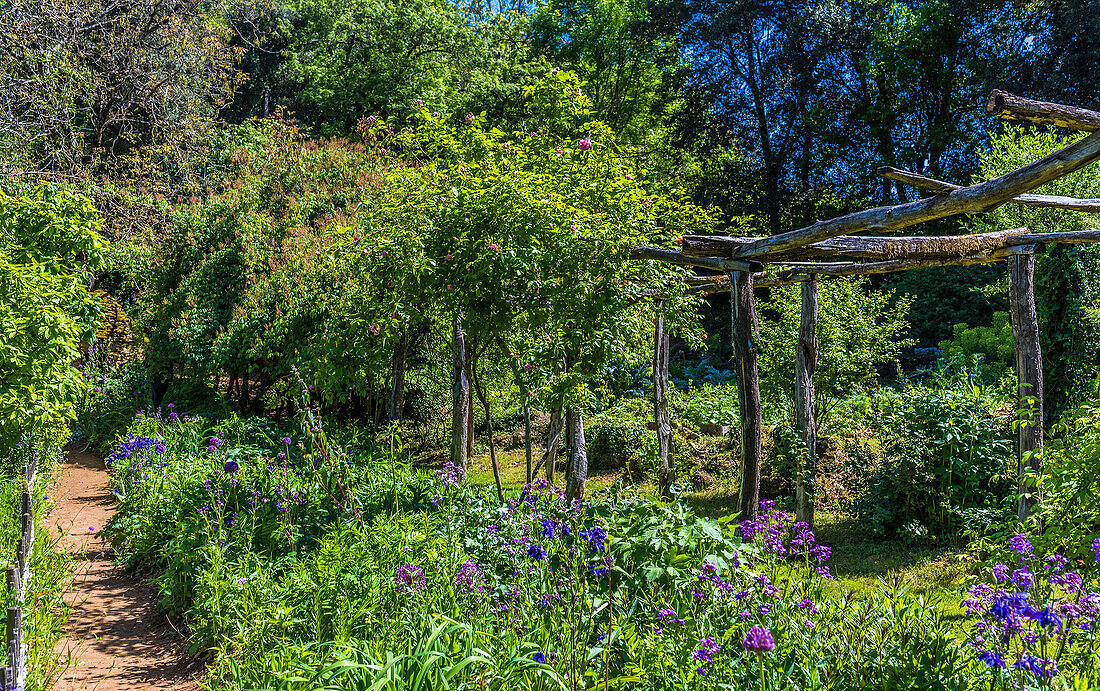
x: 117, y: 639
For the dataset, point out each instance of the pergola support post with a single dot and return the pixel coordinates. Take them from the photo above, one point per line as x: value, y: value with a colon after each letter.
x: 1029, y: 371
x: 805, y: 365
x: 665, y: 476
x: 743, y: 317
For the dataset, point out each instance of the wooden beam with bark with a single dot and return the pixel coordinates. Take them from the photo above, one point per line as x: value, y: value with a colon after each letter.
x: 1006, y: 106
x: 680, y: 259
x: 1049, y: 201
x: 979, y: 198
x: 743, y: 318
x: 1029, y: 374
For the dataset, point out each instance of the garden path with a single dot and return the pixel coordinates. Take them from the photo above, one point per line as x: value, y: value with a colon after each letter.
x: 117, y: 639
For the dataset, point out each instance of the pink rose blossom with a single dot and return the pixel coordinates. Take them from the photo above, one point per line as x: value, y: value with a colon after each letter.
x: 584, y: 144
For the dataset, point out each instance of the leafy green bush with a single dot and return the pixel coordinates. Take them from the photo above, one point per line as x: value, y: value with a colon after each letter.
x: 947, y: 459
x: 1069, y: 508
x: 995, y: 344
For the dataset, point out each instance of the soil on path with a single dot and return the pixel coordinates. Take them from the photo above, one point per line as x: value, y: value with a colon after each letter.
x: 117, y: 639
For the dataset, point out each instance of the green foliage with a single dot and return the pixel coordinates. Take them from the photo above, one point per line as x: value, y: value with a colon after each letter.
x: 47, y: 242
x: 350, y: 60
x: 373, y: 576
x: 995, y: 344
x: 1067, y: 278
x: 1069, y: 488
x: 946, y: 462
x: 858, y: 328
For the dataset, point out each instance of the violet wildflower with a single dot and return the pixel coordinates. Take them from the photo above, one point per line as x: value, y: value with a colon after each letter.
x: 758, y: 640
x: 536, y: 552
x: 409, y: 577
x: 992, y: 659
x: 596, y: 537
x: 231, y: 466
x: 539, y: 658
x: 707, y: 648
x: 1096, y: 550
x: 1021, y: 545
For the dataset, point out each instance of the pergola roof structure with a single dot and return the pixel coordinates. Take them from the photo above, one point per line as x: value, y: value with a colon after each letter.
x: 828, y: 248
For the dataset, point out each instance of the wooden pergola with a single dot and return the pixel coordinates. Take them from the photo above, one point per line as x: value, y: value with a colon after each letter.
x: 827, y: 248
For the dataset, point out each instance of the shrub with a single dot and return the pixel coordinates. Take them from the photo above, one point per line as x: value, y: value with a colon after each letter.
x: 947, y: 459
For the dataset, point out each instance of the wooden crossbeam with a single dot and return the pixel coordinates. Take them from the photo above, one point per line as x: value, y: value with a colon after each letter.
x: 982, y: 197
x: 868, y: 247
x: 679, y: 258
x: 1005, y: 105
x: 1051, y: 201
x: 720, y: 284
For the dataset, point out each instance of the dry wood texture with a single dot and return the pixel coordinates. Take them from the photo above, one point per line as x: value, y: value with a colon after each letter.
x: 863, y: 247
x: 981, y: 197
x: 939, y: 187
x: 805, y: 366
x: 679, y: 258
x: 743, y: 316
x: 1005, y: 105
x: 1029, y: 372
x: 661, y: 344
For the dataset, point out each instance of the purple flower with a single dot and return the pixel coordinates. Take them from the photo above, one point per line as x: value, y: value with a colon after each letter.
x: 539, y: 658
x: 992, y: 659
x: 409, y: 577
x: 1044, y: 669
x: 596, y: 538
x: 536, y: 552
x: 286, y: 441
x: 1021, y: 545
x: 549, y: 529
x: 1096, y: 550
x: 231, y: 466
x: 451, y: 474
x: 707, y: 648
x: 758, y: 640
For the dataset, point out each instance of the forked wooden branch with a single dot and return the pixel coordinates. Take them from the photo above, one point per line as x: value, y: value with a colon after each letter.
x: 938, y: 186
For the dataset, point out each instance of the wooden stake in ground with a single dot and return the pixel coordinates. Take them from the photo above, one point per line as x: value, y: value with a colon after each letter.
x: 578, y: 455
x: 665, y: 476
x: 805, y: 366
x: 460, y: 398
x: 1029, y: 371
x: 743, y: 317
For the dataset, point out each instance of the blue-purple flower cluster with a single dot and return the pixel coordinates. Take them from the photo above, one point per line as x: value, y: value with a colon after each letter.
x: 144, y: 454
x: 1031, y: 613
x: 779, y: 534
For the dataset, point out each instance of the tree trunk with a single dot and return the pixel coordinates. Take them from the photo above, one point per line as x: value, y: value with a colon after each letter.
x: 460, y: 397
x: 804, y: 402
x: 743, y: 308
x: 665, y: 476
x: 553, y: 442
x: 397, y: 378
x: 1029, y: 373
x: 578, y: 456
x: 471, y: 428
x: 489, y: 428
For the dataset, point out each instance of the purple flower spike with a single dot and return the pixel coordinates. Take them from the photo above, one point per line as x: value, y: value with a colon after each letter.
x: 758, y: 640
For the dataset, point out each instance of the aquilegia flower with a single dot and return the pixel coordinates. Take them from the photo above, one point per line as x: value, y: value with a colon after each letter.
x: 536, y: 552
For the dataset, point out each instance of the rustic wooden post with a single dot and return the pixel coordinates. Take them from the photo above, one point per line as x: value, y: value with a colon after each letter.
x: 578, y: 455
x: 665, y: 476
x: 14, y: 630
x: 13, y: 581
x: 460, y: 399
x: 743, y: 317
x: 806, y: 364
x: 1029, y: 369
